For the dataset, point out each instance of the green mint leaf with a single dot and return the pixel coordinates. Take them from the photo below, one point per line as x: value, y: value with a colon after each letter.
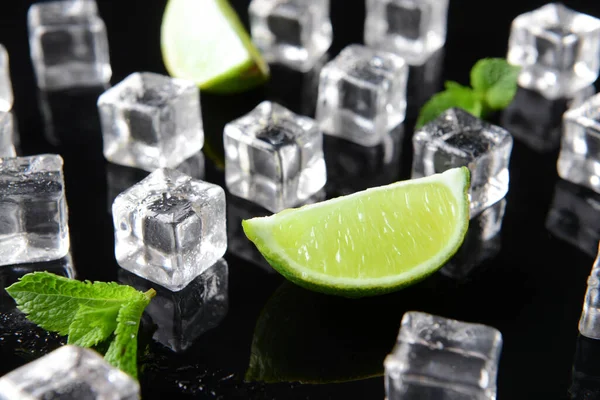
x: 92, y: 326
x: 455, y: 95
x: 122, y: 352
x: 495, y: 80
x: 53, y: 302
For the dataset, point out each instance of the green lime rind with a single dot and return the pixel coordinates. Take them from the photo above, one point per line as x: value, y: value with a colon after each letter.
x: 243, y: 78
x: 183, y: 48
x: 258, y: 231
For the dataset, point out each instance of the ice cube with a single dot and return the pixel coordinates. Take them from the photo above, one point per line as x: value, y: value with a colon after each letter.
x: 69, y: 373
x: 169, y: 228
x: 33, y: 209
x: 68, y: 43
x: 414, y: 29
x: 6, y: 91
x: 362, y: 95
x: 274, y: 157
x: 291, y: 32
x: 456, y: 139
x: 579, y: 158
x: 558, y: 48
x: 182, y: 317
x: 120, y: 178
x: 7, y: 135
x: 589, y: 324
x: 440, y: 358
x: 151, y: 121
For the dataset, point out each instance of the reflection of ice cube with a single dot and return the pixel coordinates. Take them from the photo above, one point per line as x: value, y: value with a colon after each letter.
x: 33, y: 204
x: 151, y: 121
x: 440, y: 358
x: 414, y: 29
x: 574, y: 216
x: 10, y: 274
x: 585, y: 379
x: 295, y: 33
x: 589, y: 324
x: 7, y: 135
x: 69, y: 373
x: 362, y: 95
x: 352, y: 167
x: 169, y: 228
x: 457, y: 139
x: 274, y: 157
x: 579, y: 158
x: 182, y: 317
x: 68, y: 42
x: 481, y: 243
x: 557, y: 49
x: 83, y: 132
x: 120, y: 178
x: 536, y: 120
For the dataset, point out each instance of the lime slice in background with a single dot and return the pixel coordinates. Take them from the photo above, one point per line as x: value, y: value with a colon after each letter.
x: 371, y: 242
x: 204, y: 41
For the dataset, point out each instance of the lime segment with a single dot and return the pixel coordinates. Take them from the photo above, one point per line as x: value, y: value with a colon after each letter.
x: 371, y: 242
x: 204, y: 41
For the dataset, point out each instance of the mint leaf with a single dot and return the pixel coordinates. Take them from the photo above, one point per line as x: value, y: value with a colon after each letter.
x: 122, y: 352
x: 93, y: 325
x: 52, y: 301
x: 495, y: 80
x: 454, y: 96
x: 88, y: 312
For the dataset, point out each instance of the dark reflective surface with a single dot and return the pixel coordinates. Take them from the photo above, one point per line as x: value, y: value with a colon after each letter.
x: 528, y: 280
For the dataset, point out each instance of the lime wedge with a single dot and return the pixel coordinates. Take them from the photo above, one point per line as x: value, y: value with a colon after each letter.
x: 204, y: 41
x: 371, y: 242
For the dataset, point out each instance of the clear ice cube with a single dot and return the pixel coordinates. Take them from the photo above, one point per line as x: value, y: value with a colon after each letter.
x: 456, y: 139
x: 574, y: 216
x: 169, y: 228
x: 68, y: 43
x: 182, y: 317
x: 579, y: 158
x: 295, y: 33
x: 362, y: 95
x: 274, y: 157
x: 537, y: 121
x: 558, y: 48
x: 151, y: 121
x: 439, y: 358
x: 120, y: 178
x: 413, y: 29
x: 69, y: 373
x: 7, y: 135
x: 589, y: 324
x: 6, y: 91
x: 33, y: 209
x: 482, y: 243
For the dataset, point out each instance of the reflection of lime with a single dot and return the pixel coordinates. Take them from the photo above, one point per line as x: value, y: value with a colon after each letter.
x: 371, y: 242
x: 204, y: 41
x: 309, y: 337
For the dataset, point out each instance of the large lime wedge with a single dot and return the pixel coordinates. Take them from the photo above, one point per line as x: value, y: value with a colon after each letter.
x: 204, y: 41
x: 371, y: 242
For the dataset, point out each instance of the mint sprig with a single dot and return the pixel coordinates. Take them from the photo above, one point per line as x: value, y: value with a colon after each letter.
x: 89, y: 313
x: 493, y: 87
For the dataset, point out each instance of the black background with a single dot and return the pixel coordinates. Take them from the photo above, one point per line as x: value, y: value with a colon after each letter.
x: 532, y: 290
